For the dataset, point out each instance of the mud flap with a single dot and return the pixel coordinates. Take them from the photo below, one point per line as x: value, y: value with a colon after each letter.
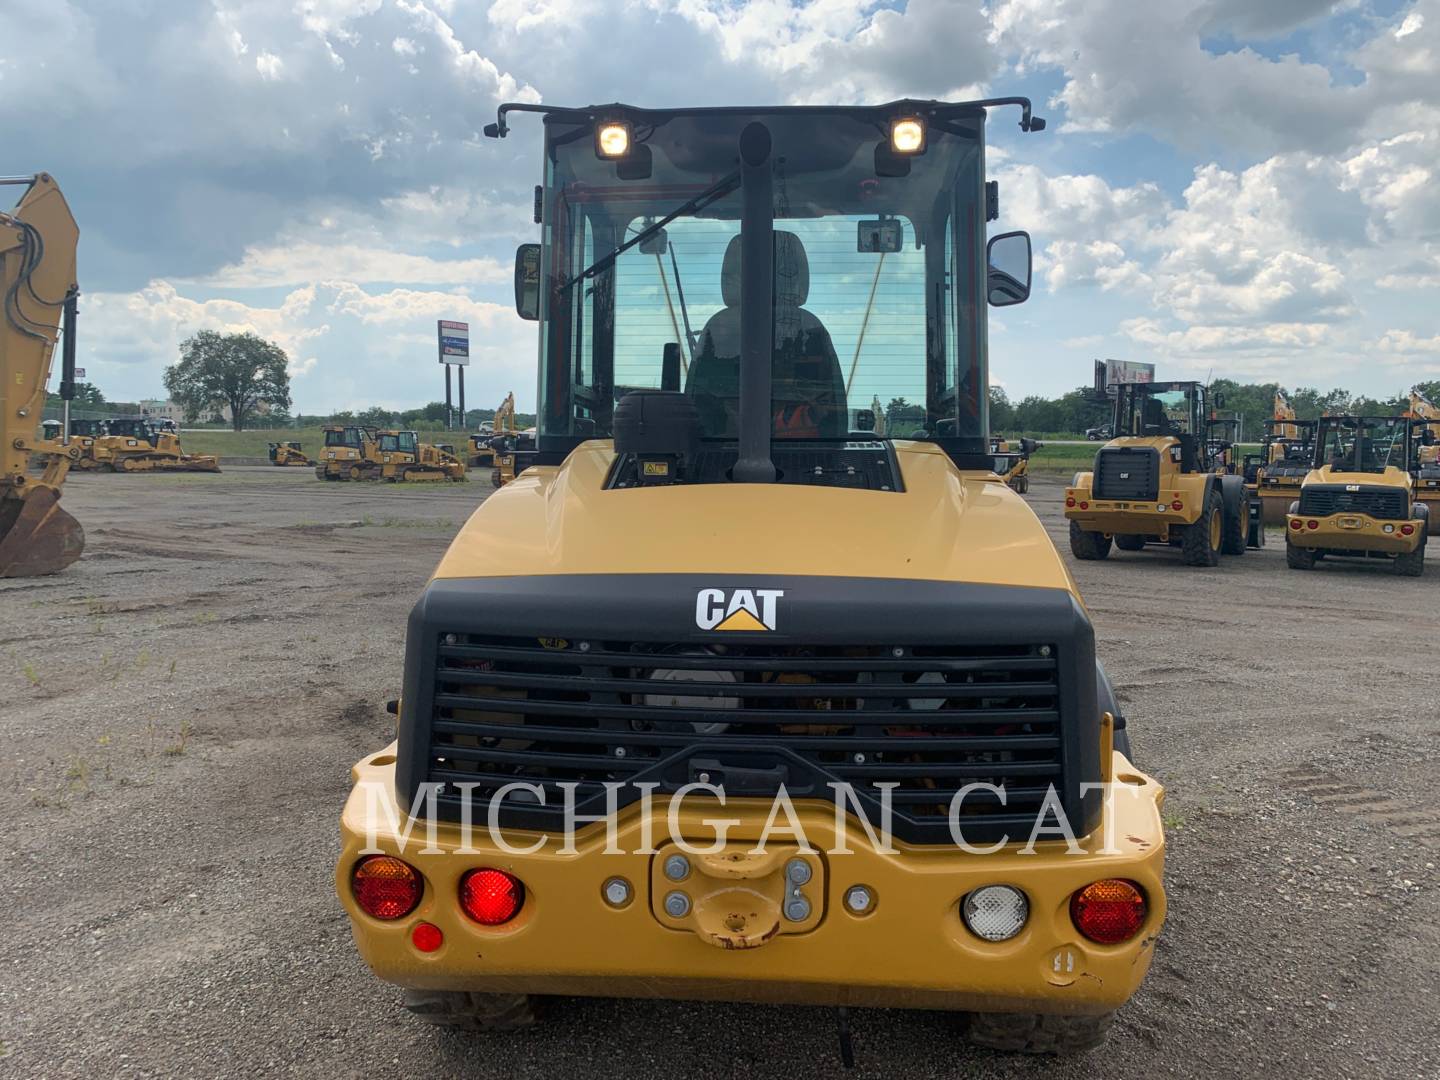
x: 36, y: 536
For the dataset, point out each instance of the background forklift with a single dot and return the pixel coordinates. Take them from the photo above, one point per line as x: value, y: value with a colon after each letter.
x: 1156, y: 482
x: 1013, y: 466
x: 1358, y: 499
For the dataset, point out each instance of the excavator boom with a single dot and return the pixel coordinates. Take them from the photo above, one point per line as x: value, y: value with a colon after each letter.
x: 37, y: 284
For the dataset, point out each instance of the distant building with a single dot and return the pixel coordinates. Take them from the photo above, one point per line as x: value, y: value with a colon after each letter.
x: 160, y: 409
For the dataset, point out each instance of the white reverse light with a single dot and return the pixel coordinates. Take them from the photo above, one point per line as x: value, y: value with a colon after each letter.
x: 995, y: 912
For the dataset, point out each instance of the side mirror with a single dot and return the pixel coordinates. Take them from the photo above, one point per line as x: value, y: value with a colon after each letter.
x: 527, y: 281
x: 1219, y: 400
x: 882, y: 235
x: 1008, y: 259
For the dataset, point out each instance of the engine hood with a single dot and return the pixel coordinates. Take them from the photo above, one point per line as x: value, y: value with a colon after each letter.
x: 946, y: 526
x: 1388, y: 477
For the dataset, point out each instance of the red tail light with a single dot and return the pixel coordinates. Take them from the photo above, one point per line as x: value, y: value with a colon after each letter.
x: 427, y: 937
x: 1177, y: 505
x: 1312, y: 524
x: 491, y: 897
x: 1109, y: 911
x: 1296, y: 523
x: 1084, y: 506
x: 1407, y: 529
x: 1070, y: 502
x: 386, y: 887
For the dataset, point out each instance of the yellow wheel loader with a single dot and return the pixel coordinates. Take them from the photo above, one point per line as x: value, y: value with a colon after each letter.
x: 1358, y: 501
x: 1155, y: 482
x: 133, y: 444
x: 37, y: 280
x: 1426, y: 463
x: 287, y: 454
x: 1274, y: 475
x: 717, y: 699
x: 1013, y: 466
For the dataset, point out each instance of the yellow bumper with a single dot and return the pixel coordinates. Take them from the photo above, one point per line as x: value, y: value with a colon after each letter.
x: 1125, y: 518
x: 912, y: 949
x: 1354, y: 532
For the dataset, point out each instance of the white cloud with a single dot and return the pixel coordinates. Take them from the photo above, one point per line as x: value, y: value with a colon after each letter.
x: 269, y: 66
x: 292, y: 263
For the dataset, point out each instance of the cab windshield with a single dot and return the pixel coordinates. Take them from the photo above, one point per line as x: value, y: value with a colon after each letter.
x: 878, y: 292
x: 1150, y: 409
x: 1363, y: 443
x: 346, y: 437
x: 402, y: 442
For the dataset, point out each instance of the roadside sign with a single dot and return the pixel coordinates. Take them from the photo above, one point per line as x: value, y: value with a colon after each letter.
x: 79, y: 372
x: 454, y: 342
x: 1127, y: 371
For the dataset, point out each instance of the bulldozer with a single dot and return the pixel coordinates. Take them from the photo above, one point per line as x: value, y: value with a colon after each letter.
x: 705, y: 608
x: 133, y: 444
x: 1358, y: 499
x: 357, y: 453
x: 1156, y: 481
x: 289, y: 453
x: 1426, y: 463
x: 1013, y: 466
x: 348, y: 452
x: 38, y: 236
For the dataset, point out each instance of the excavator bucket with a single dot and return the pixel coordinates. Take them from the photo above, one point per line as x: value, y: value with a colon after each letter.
x: 36, y: 536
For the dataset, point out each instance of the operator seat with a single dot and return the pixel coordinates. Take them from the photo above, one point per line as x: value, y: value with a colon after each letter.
x: 808, y: 388
x: 1153, y: 419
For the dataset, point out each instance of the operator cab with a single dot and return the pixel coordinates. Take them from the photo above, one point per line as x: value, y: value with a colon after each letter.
x: 866, y: 280
x: 351, y: 437
x: 1363, y: 444
x: 1178, y: 411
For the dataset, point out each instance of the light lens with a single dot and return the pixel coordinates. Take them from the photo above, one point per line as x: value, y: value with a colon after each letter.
x: 1177, y: 505
x: 385, y: 887
x: 907, y: 136
x: 613, y: 140
x: 1069, y: 502
x: 426, y: 937
x: 1407, y: 529
x: 491, y: 897
x: 996, y: 912
x: 1084, y: 506
x: 1312, y: 524
x: 1109, y: 911
x: 1296, y: 523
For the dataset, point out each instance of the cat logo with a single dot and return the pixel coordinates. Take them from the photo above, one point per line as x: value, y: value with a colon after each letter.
x: 743, y: 609
x: 1124, y: 476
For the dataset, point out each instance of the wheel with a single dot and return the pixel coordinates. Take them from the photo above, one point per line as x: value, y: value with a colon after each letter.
x: 495, y: 479
x: 1200, y: 542
x: 1023, y: 485
x: 473, y: 1012
x: 1088, y: 545
x: 354, y: 472
x: 1127, y: 542
x: 1037, y: 1033
x: 1298, y: 558
x: 1413, y: 564
x: 1236, y: 528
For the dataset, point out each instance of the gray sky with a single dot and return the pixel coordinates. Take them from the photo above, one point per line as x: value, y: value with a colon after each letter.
x: 1232, y: 186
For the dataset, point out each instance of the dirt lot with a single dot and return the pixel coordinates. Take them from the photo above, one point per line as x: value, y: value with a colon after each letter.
x: 182, y: 707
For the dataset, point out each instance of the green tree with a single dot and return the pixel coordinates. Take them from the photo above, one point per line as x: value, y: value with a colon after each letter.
x: 1002, y: 413
x: 376, y: 416
x: 241, y: 371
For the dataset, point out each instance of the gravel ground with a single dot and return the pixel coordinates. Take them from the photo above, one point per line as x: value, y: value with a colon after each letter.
x: 183, y: 705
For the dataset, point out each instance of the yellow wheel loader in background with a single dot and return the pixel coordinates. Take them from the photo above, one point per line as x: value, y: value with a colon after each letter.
x: 1155, y: 481
x: 1287, y: 449
x: 711, y: 624
x: 1426, y: 463
x: 289, y: 454
x: 38, y: 283
x: 133, y: 444
x: 1357, y: 501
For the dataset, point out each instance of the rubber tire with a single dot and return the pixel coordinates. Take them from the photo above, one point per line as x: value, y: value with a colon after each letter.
x: 1126, y: 542
x: 1023, y: 487
x: 1412, y: 564
x: 1298, y: 558
x: 1195, y: 540
x: 1235, y: 529
x: 1088, y: 545
x: 1037, y: 1033
x: 471, y: 1011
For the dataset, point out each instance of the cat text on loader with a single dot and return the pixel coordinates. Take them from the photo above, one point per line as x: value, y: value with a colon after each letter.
x: 1426, y: 463
x: 1358, y: 501
x: 718, y: 633
x: 1155, y: 481
x: 37, y: 280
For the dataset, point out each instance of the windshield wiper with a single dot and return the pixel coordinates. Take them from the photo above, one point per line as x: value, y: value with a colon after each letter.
x: 714, y: 192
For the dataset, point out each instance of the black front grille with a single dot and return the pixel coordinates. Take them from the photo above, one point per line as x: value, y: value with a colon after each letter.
x: 1127, y: 472
x: 1376, y: 502
x: 751, y: 717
